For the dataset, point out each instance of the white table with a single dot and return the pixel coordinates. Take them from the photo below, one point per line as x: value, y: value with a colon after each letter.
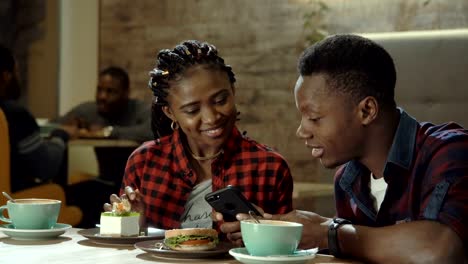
x: 73, y: 248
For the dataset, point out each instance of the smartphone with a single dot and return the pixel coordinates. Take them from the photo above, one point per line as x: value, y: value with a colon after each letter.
x: 230, y: 202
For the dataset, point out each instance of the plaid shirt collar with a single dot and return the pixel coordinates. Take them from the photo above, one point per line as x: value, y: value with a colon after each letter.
x: 400, y: 154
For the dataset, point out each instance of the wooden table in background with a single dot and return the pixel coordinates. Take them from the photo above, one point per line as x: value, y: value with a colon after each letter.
x: 90, y: 158
x: 103, y: 143
x: 72, y: 248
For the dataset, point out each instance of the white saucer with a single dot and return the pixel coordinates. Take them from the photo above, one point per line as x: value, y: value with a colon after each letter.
x: 300, y: 257
x: 34, y: 234
x: 94, y: 235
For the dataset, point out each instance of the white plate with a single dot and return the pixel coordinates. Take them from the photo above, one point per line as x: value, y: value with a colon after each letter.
x: 299, y: 257
x: 153, y: 247
x: 34, y: 234
x: 94, y: 235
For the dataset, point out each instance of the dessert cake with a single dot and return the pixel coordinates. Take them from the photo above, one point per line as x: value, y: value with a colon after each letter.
x: 121, y: 222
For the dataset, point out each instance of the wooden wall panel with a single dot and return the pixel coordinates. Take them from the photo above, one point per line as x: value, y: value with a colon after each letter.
x: 261, y: 39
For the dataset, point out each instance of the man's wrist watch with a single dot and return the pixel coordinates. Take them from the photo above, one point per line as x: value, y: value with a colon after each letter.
x: 107, y: 131
x: 333, y: 244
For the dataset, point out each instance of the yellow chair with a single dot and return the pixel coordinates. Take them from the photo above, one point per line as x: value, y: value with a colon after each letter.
x: 68, y: 214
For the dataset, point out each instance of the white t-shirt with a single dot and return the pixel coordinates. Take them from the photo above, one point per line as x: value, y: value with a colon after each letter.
x: 378, y: 188
x: 197, y: 211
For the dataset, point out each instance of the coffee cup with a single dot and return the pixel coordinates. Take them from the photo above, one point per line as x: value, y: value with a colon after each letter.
x: 32, y: 213
x: 271, y: 237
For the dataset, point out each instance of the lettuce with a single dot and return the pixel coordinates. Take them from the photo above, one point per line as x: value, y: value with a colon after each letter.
x: 174, y: 241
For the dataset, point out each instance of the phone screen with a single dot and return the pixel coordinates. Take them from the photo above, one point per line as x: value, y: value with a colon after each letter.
x: 230, y: 202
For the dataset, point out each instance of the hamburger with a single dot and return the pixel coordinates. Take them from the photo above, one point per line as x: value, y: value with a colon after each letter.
x: 191, y: 239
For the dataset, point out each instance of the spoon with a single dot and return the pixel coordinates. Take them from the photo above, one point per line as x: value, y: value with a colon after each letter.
x: 254, y: 217
x: 8, y: 197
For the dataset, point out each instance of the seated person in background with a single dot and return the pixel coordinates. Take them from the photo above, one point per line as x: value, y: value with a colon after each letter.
x: 198, y: 148
x: 113, y: 114
x: 401, y: 190
x: 34, y: 160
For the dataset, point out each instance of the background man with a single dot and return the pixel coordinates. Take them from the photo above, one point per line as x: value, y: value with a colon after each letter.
x: 113, y: 114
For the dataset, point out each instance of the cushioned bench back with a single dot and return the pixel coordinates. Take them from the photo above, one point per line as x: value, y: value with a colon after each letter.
x: 432, y: 72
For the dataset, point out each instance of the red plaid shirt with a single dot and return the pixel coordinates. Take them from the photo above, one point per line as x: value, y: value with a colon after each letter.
x: 161, y: 171
x: 427, y: 177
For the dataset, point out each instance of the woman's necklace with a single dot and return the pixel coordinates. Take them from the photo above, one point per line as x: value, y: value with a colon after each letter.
x: 199, y: 158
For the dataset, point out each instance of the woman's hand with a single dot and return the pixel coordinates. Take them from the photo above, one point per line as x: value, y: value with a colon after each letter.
x: 232, y: 229
x: 134, y: 197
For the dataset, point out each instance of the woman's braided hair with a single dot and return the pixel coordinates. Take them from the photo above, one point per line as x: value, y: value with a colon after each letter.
x: 171, y: 66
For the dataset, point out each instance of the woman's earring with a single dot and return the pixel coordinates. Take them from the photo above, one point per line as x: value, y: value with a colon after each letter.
x: 174, y: 125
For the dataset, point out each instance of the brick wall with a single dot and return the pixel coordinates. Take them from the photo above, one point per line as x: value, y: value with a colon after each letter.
x: 261, y: 39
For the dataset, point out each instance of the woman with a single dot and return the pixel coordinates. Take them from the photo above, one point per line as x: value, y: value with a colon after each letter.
x: 198, y: 148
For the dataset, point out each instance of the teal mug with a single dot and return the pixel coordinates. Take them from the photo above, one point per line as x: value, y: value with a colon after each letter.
x: 271, y: 237
x: 31, y: 213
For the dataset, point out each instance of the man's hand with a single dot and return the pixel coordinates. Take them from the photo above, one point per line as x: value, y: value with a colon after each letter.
x: 78, y: 122
x: 94, y: 131
x: 231, y: 229
x: 315, y: 230
x: 72, y: 131
x: 83, y: 128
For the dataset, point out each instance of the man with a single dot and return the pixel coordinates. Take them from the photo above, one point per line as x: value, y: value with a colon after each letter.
x: 113, y: 114
x: 402, y: 189
x: 34, y: 160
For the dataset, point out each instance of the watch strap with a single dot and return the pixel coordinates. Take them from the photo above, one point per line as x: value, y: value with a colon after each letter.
x: 333, y: 244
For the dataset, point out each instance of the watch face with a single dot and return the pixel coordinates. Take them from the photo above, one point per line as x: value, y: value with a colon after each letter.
x: 341, y: 221
x: 337, y: 222
x: 108, y: 131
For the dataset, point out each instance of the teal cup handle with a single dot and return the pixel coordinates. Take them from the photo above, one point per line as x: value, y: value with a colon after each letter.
x: 4, y: 219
